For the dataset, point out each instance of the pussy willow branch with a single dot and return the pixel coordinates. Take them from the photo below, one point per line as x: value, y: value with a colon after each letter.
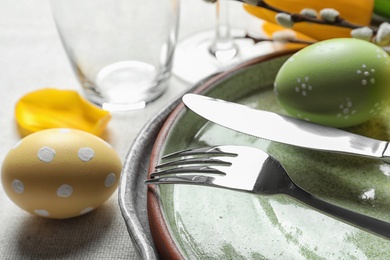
x: 258, y: 39
x: 340, y: 22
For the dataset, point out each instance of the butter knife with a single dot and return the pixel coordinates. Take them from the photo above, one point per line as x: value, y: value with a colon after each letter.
x: 285, y: 129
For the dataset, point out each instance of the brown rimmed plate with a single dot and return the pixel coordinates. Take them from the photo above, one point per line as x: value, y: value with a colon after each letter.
x: 195, y: 222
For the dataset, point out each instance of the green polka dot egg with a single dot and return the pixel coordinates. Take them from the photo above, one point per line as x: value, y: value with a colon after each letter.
x: 60, y: 173
x: 338, y: 82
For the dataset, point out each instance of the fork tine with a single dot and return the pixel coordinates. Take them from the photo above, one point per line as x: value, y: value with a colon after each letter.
x: 198, y: 151
x: 188, y: 161
x: 183, y: 179
x: 188, y: 169
x: 204, y: 163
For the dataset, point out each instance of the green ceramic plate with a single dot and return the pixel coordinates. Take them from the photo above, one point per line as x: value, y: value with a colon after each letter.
x: 196, y: 222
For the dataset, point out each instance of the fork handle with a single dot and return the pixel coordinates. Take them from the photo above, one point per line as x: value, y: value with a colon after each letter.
x: 364, y: 222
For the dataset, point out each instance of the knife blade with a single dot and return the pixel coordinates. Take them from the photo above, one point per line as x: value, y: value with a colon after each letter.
x: 284, y: 129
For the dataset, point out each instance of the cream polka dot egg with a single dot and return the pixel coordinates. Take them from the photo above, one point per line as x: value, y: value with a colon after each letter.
x: 338, y: 82
x: 60, y: 173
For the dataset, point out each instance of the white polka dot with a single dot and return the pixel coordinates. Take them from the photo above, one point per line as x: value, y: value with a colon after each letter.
x: 86, y: 210
x: 18, y: 186
x: 46, y: 154
x: 64, y: 130
x: 17, y: 144
x: 366, y: 73
x: 372, y: 81
x: 364, y: 82
x: 42, y: 212
x: 86, y: 154
x: 110, y: 180
x: 359, y: 72
x: 64, y: 191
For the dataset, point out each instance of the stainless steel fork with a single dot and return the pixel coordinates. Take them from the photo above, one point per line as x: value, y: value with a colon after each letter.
x: 251, y: 170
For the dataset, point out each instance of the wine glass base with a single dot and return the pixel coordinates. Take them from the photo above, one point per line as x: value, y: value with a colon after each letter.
x: 193, y: 60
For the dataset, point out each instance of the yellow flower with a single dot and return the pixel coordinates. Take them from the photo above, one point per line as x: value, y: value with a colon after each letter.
x: 355, y: 12
x: 54, y: 108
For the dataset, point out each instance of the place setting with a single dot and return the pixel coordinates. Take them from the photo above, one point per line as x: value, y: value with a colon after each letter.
x: 265, y: 136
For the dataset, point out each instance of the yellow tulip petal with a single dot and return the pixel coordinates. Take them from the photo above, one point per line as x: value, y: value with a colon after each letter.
x: 356, y: 12
x: 322, y: 32
x: 54, y: 108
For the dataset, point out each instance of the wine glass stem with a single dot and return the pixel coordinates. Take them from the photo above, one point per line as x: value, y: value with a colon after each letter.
x: 223, y: 47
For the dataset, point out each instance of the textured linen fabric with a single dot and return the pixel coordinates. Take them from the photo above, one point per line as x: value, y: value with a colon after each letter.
x: 31, y: 58
x: 97, y: 235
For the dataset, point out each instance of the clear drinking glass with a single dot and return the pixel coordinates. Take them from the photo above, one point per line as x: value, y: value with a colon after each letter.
x: 121, y: 50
